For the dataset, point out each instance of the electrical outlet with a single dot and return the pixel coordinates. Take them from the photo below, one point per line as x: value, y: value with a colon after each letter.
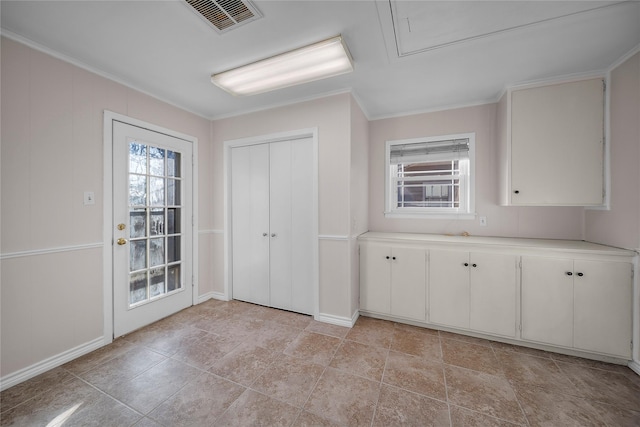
x: 483, y: 221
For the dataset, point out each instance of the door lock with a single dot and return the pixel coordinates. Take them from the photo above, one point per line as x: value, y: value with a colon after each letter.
x: 121, y: 227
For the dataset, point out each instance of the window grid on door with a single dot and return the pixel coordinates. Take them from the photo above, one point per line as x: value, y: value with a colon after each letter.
x: 155, y: 214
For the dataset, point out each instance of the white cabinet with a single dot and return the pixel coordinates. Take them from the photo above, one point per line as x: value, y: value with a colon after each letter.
x: 272, y: 217
x: 395, y: 278
x: 573, y: 296
x: 584, y: 304
x: 473, y: 290
x: 554, y: 145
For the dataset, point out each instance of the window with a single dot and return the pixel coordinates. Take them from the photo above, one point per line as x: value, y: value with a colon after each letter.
x: 430, y: 177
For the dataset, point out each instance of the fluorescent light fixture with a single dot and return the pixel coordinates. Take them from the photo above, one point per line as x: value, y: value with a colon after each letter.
x: 317, y: 61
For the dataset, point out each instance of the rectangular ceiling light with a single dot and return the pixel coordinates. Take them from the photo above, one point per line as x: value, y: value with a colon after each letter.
x: 317, y: 61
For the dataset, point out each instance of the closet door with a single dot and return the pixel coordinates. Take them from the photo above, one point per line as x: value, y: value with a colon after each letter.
x: 250, y: 223
x: 291, y: 225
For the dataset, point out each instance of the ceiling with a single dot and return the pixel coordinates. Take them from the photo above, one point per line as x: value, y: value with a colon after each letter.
x: 409, y: 56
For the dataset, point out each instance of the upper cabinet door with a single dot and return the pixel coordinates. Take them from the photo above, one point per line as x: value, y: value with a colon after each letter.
x: 557, y: 151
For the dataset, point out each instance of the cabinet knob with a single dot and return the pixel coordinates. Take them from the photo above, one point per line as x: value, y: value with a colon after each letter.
x: 393, y: 257
x: 580, y: 274
x: 466, y: 264
x: 387, y: 257
x: 517, y: 191
x: 265, y: 234
x: 568, y: 273
x: 474, y: 265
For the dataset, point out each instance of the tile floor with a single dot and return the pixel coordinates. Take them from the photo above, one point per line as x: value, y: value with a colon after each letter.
x: 238, y: 364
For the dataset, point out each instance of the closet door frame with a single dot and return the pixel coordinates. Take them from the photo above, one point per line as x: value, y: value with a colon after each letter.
x: 228, y: 238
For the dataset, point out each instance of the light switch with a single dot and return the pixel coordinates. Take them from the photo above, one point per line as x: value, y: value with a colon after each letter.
x: 89, y: 198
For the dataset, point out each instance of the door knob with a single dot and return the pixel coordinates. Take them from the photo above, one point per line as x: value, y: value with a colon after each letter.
x: 122, y: 241
x: 121, y: 227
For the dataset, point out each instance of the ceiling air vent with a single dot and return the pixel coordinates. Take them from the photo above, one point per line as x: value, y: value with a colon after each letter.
x: 225, y: 15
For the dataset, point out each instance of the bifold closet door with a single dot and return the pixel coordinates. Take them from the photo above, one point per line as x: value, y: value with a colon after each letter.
x: 272, y: 217
x: 250, y: 223
x: 291, y: 225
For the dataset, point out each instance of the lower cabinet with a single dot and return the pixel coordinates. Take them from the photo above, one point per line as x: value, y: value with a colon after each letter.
x: 577, y: 303
x: 396, y: 278
x: 565, y: 294
x: 473, y: 290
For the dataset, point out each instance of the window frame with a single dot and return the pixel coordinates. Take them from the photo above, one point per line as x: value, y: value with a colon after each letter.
x: 392, y: 211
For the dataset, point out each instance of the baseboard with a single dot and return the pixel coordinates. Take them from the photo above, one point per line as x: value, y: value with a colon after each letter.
x: 635, y: 366
x: 52, y: 362
x: 212, y: 295
x: 337, y: 320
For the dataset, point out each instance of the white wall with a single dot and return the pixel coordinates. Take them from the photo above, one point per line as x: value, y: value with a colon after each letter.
x: 535, y: 222
x: 52, y: 151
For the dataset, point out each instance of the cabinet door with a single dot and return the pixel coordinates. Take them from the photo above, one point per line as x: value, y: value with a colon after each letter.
x: 557, y: 144
x: 250, y: 223
x: 602, y: 310
x: 493, y: 293
x: 449, y: 288
x: 547, y: 300
x: 408, y: 283
x: 375, y: 278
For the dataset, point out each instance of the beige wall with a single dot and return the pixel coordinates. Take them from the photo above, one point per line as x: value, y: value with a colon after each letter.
x: 359, y: 194
x: 331, y: 115
x: 620, y: 226
x: 52, y: 151
x: 542, y: 222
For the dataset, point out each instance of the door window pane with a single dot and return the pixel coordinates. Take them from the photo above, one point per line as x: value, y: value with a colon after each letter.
x: 156, y: 282
x: 174, y: 278
x: 156, y: 191
x: 137, y: 158
x: 173, y: 249
x: 137, y: 190
x: 157, y: 222
x: 137, y: 287
x: 138, y: 223
x: 156, y: 161
x: 138, y: 255
x: 173, y: 220
x: 173, y: 163
x: 156, y: 252
x: 173, y: 192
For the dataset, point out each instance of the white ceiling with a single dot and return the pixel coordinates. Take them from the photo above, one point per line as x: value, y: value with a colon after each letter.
x: 409, y: 56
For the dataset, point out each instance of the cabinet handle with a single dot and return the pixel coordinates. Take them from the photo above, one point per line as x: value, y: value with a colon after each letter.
x: 580, y: 274
x: 265, y: 234
x: 474, y: 265
x: 517, y: 192
x: 387, y: 257
x: 274, y: 235
x: 393, y: 257
x: 568, y: 273
x: 466, y: 264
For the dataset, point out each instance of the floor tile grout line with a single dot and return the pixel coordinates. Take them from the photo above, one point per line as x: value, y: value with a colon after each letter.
x: 446, y: 387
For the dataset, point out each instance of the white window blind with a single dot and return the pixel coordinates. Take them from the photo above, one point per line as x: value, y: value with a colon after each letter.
x: 416, y: 152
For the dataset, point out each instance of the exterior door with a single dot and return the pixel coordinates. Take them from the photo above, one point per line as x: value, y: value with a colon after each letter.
x: 152, y: 226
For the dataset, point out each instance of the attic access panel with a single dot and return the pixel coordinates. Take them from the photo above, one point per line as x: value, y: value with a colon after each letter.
x: 225, y: 15
x: 422, y: 26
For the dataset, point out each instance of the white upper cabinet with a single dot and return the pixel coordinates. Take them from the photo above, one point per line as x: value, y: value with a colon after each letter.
x: 552, y: 144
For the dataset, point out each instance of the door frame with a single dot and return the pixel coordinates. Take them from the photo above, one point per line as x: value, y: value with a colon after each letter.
x: 228, y: 238
x: 107, y: 251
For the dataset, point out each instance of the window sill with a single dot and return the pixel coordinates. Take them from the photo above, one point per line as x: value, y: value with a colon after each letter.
x: 431, y: 215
